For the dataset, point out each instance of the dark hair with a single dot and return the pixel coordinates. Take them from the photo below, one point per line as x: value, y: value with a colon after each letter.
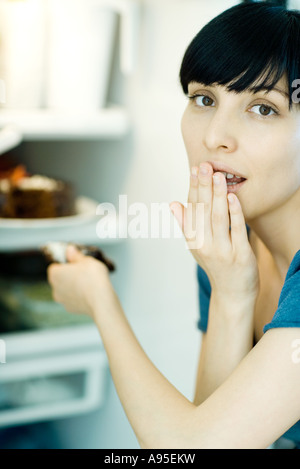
x: 249, y: 46
x: 282, y: 3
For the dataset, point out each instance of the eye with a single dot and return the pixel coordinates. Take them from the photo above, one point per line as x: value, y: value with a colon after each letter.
x: 264, y: 110
x: 202, y: 100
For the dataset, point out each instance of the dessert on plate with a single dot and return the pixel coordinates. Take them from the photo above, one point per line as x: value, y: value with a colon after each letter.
x: 27, y: 196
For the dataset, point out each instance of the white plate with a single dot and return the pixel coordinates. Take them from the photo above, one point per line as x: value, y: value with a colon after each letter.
x: 10, y: 137
x: 85, y: 212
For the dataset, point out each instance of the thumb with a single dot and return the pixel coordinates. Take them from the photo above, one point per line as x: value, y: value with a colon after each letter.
x: 73, y: 254
x: 178, y: 211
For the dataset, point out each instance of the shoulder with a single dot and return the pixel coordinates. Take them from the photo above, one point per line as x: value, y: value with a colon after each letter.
x: 288, y: 311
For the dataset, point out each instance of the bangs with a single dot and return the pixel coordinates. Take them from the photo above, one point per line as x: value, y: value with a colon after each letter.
x: 248, y: 47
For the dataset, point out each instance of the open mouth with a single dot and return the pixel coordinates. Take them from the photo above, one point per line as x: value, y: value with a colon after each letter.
x: 235, y: 186
x: 234, y: 179
x: 234, y: 183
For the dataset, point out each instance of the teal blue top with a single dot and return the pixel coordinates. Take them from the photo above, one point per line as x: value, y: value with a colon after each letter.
x: 286, y: 315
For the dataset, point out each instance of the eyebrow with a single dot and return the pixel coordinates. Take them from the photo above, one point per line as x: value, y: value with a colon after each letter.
x: 282, y: 92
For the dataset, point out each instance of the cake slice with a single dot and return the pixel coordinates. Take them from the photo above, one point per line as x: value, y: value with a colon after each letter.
x: 55, y: 251
x: 40, y: 197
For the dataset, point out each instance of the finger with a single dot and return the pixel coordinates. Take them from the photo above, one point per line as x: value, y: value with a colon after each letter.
x: 190, y: 220
x: 239, y: 235
x: 192, y: 224
x: 220, y: 216
x: 194, y: 185
x: 178, y: 211
x: 205, y: 196
x: 73, y: 254
x: 51, y: 273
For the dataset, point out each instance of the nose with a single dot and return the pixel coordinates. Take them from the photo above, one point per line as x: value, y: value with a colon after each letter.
x: 221, y: 133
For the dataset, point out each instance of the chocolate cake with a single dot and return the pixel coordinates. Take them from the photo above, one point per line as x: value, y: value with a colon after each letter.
x: 35, y: 197
x: 56, y: 252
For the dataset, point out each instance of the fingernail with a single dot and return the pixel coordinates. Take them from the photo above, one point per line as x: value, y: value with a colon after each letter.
x: 217, y: 178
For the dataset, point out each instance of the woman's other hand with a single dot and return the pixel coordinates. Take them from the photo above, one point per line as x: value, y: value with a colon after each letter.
x: 226, y: 256
x: 82, y: 285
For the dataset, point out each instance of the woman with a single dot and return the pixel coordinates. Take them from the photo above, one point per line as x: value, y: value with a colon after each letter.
x: 241, y: 120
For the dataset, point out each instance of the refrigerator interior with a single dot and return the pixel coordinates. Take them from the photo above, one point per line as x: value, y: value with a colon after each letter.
x: 142, y: 156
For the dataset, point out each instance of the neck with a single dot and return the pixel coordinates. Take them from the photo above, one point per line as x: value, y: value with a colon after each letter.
x: 279, y: 231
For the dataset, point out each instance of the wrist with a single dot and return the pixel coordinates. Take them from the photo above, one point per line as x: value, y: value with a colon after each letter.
x: 235, y: 298
x: 102, y: 299
x: 233, y: 307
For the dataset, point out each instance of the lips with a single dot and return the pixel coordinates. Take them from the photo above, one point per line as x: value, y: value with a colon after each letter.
x: 222, y: 168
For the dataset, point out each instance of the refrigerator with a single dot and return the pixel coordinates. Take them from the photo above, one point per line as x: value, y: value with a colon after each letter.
x: 112, y: 128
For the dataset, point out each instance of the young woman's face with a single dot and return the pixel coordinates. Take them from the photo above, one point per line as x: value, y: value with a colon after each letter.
x: 255, y: 134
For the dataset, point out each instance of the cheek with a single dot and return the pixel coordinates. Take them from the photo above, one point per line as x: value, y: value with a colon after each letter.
x: 279, y: 175
x: 293, y: 157
x: 185, y: 130
x: 288, y: 152
x: 192, y: 139
x: 274, y: 155
x: 291, y: 169
x: 285, y: 163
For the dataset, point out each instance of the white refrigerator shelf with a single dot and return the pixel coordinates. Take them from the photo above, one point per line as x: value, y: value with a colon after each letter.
x: 47, y: 124
x: 21, y: 236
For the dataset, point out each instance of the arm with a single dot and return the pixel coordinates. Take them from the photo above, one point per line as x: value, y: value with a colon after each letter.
x: 255, y: 405
x: 228, y: 339
x: 251, y: 409
x: 153, y: 406
x: 260, y: 399
x: 159, y: 414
